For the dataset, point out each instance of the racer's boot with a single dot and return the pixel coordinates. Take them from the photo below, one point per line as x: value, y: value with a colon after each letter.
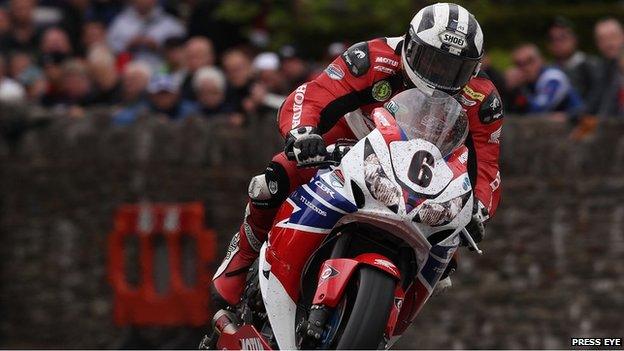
x: 229, y: 279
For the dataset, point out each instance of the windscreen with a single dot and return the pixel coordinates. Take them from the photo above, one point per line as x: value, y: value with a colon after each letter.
x: 438, y: 119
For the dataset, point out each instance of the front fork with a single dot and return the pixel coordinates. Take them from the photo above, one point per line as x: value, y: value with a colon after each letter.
x: 334, y: 277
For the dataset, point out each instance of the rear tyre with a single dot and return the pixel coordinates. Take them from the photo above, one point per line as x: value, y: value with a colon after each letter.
x: 367, y: 321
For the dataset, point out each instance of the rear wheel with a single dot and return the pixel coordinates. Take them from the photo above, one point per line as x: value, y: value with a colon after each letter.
x: 371, y: 295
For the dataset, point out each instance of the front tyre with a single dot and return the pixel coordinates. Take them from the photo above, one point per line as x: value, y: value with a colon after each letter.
x: 373, y: 293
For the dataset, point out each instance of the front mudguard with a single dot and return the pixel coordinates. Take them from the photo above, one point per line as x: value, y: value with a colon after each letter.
x: 335, y: 275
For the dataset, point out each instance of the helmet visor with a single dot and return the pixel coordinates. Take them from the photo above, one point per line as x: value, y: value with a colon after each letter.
x: 439, y: 68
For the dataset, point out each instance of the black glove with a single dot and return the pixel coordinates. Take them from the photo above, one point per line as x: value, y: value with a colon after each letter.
x: 306, y: 146
x: 476, y: 227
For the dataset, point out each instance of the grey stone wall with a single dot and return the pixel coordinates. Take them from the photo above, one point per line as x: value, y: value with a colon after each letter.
x: 552, y: 267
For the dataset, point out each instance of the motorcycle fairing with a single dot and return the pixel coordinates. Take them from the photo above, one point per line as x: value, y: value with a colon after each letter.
x: 245, y: 338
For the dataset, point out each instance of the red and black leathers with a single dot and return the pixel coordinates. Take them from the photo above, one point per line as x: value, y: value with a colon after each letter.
x: 338, y: 104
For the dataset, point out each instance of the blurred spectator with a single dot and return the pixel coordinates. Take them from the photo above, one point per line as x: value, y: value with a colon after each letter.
x: 163, y: 100
x: 294, y: 68
x: 75, y: 90
x: 26, y: 72
x: 135, y: 78
x: 55, y: 40
x: 238, y: 71
x: 581, y: 69
x: 53, y: 74
x: 495, y: 76
x: 5, y: 23
x: 175, y: 59
x: 142, y: 28
x: 210, y: 87
x: 93, y: 33
x: 107, y: 87
x: 539, y: 88
x: 199, y: 53
x: 10, y: 90
x: 24, y: 34
x: 610, y: 41
x: 266, y: 66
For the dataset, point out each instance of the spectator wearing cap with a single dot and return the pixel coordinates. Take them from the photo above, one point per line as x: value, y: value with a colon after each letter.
x: 107, y: 85
x: 609, y: 37
x: 294, y: 67
x: 581, y: 69
x: 238, y: 72
x: 210, y: 87
x: 540, y: 88
x: 198, y: 53
x: 141, y: 28
x: 163, y: 100
x: 270, y: 88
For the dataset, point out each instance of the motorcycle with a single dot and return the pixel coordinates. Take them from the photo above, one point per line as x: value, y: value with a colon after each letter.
x: 354, y: 254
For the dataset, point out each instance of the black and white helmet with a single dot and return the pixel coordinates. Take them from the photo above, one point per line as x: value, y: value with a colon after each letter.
x: 442, y: 49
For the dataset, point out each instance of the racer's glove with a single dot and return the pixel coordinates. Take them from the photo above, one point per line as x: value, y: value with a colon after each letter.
x: 476, y: 227
x: 306, y: 146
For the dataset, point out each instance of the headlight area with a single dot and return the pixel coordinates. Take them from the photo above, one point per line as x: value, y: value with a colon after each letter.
x: 378, y: 183
x: 441, y: 213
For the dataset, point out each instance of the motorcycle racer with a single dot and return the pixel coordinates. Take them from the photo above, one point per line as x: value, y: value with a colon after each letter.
x: 441, y: 50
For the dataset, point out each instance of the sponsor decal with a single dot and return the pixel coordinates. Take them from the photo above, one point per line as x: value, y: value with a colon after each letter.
x: 496, y: 182
x: 312, y: 206
x: 327, y: 273
x: 398, y: 302
x: 337, y: 179
x: 251, y: 344
x: 251, y: 237
x: 385, y: 263
x: 466, y: 183
x: 387, y: 61
x: 463, y: 158
x: 382, y: 90
x: 298, y: 105
x: 359, y: 53
x: 495, y: 136
x: 384, y: 69
x: 334, y: 72
x: 325, y: 188
x: 392, y: 107
x: 466, y: 102
x: 273, y: 187
x: 473, y: 94
x: 453, y: 39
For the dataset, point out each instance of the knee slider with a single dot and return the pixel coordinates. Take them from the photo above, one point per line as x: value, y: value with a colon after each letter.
x: 270, y: 189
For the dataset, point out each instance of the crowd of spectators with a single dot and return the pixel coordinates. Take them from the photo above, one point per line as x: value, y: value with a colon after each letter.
x: 140, y: 57
x: 575, y: 85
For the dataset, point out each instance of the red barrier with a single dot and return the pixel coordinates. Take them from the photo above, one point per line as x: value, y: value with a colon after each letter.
x: 180, y: 304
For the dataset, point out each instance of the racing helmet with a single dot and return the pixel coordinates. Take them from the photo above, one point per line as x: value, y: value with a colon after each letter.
x: 442, y: 48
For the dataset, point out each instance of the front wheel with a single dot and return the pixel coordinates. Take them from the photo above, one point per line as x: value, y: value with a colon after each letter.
x: 371, y: 295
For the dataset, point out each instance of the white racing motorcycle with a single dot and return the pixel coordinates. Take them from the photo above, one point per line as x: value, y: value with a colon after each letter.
x: 354, y: 254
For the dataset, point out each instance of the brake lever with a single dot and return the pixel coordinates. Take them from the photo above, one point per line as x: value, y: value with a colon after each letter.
x: 471, y: 241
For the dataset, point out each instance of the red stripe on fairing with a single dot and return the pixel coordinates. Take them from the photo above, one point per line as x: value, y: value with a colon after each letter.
x: 455, y: 163
x: 386, y: 124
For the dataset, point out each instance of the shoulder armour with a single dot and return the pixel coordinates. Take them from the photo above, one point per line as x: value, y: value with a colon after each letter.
x: 491, y: 108
x: 357, y: 58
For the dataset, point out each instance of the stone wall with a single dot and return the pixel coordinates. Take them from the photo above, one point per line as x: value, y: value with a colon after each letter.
x: 552, y: 267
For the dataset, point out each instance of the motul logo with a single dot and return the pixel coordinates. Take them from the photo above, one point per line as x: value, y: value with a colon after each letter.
x: 251, y: 344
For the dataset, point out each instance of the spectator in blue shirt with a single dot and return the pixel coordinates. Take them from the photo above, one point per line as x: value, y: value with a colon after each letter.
x: 163, y: 99
x: 539, y: 88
